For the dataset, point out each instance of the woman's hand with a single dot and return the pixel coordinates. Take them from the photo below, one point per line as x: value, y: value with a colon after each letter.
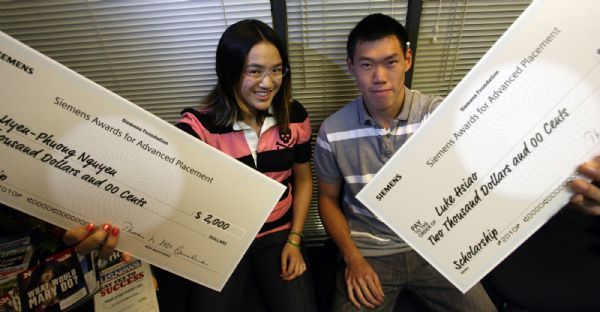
x: 90, y: 237
x: 292, y: 263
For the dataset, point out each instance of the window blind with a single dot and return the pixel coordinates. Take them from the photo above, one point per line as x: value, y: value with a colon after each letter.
x: 157, y: 54
x: 454, y: 35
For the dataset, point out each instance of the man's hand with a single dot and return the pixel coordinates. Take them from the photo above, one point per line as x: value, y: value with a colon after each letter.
x: 362, y: 284
x: 587, y: 199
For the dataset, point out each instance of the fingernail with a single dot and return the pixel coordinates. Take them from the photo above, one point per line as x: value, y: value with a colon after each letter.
x: 115, y: 231
x: 90, y: 227
x: 106, y: 227
x: 589, y: 170
x: 579, y: 186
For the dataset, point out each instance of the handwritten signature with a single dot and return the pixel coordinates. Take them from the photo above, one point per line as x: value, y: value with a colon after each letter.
x: 128, y: 228
x: 180, y: 251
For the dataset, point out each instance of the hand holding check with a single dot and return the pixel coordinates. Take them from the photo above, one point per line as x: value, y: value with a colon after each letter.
x: 587, y: 199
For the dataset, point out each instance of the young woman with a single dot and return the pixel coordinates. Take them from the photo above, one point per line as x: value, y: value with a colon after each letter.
x: 250, y: 116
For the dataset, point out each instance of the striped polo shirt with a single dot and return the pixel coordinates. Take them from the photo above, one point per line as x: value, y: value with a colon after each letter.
x: 351, y: 148
x: 273, y: 152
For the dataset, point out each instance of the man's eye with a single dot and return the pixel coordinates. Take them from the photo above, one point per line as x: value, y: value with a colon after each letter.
x: 277, y: 70
x: 366, y: 65
x: 392, y: 63
x: 253, y: 72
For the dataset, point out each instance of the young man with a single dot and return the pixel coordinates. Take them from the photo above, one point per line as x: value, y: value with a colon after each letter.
x: 353, y: 144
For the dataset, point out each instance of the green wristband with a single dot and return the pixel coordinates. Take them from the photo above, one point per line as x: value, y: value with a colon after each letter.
x: 292, y: 243
x: 297, y: 233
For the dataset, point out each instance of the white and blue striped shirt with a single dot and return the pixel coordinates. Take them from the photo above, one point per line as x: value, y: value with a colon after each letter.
x: 352, y: 147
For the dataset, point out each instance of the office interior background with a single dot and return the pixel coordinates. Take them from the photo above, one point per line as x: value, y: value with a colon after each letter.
x: 159, y: 54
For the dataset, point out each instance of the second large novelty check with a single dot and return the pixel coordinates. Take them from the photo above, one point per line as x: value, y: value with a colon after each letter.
x: 493, y: 163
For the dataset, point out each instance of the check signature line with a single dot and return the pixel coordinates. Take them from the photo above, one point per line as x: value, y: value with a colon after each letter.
x: 180, y: 257
x: 79, y: 215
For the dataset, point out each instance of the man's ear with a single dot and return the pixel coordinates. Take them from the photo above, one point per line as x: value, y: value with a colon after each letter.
x: 408, y: 59
x: 350, y: 66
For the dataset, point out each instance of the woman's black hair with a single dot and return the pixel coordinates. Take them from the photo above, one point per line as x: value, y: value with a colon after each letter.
x: 232, y: 50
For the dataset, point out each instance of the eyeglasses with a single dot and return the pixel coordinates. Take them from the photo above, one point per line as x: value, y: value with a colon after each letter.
x: 259, y: 74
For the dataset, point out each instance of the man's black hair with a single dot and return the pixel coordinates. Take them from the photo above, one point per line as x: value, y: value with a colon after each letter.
x: 374, y: 27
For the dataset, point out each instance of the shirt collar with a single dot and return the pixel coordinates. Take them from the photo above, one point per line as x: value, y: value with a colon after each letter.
x: 269, y: 122
x: 240, y: 125
x: 406, y: 106
x: 363, y: 115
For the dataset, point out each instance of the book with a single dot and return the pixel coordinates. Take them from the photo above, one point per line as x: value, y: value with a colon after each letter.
x: 126, y: 286
x: 56, y: 284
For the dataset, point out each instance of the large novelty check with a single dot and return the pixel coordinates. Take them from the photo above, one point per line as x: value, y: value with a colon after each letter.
x: 72, y: 151
x: 493, y: 163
